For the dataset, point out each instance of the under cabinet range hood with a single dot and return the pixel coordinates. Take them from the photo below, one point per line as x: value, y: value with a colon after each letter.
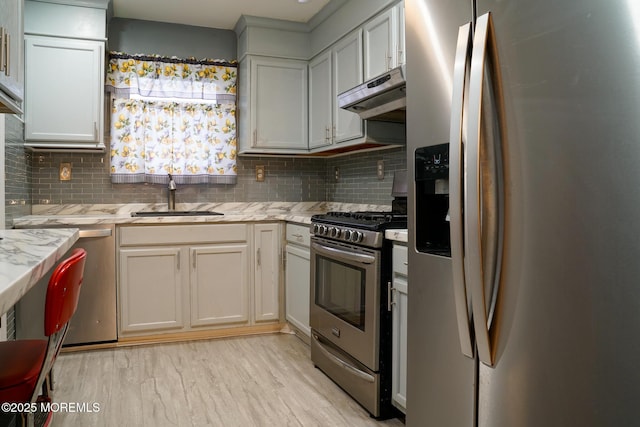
x: 381, y: 98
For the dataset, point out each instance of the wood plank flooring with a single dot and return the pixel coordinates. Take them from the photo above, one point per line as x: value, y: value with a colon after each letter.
x: 265, y: 380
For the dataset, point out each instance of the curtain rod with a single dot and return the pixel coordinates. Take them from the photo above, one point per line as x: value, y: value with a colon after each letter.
x: 174, y: 60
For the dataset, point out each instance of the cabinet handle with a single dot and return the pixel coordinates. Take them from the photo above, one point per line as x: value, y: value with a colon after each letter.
x: 7, y: 54
x: 400, y: 55
x: 95, y: 131
x: 255, y: 138
x: 3, y: 58
x: 390, y: 291
x: 283, y: 257
x: 178, y: 261
x: 259, y: 261
x: 333, y: 134
x: 326, y: 133
x: 193, y: 256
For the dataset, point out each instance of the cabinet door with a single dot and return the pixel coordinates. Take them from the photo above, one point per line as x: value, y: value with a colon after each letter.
x: 64, y: 95
x: 219, y: 284
x: 320, y: 101
x: 150, y: 289
x: 11, y: 79
x: 400, y: 50
x: 297, y: 285
x: 379, y: 41
x: 400, y: 307
x: 267, y: 238
x: 347, y: 73
x: 279, y: 103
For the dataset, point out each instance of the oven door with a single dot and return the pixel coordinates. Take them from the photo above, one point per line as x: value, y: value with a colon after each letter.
x: 345, y: 298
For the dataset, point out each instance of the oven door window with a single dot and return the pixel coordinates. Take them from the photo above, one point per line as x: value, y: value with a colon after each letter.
x: 340, y: 289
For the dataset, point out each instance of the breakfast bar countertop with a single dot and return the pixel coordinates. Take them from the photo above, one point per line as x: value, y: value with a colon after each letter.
x: 26, y: 256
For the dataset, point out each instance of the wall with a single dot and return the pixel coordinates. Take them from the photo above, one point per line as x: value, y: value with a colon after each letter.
x: 287, y: 179
x: 358, y: 181
x: 135, y: 36
x: 17, y: 171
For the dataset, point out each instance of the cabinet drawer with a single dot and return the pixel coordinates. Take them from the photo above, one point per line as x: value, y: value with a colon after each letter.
x: 299, y: 234
x: 182, y: 234
x: 400, y: 257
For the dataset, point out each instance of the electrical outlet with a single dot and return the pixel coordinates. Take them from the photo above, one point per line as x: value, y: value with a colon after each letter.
x: 65, y: 171
x: 336, y: 172
x: 260, y: 173
x: 380, y: 169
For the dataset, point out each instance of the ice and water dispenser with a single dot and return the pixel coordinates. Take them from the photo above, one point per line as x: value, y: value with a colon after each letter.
x: 432, y: 200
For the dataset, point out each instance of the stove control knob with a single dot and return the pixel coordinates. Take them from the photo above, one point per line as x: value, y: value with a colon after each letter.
x: 347, y: 235
x: 323, y: 230
x: 335, y: 232
x: 356, y: 237
x: 316, y: 228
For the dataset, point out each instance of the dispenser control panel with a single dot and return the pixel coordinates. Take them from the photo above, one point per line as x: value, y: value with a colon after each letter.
x: 432, y: 162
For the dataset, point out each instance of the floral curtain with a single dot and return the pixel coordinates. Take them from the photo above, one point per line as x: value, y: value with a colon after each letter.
x: 188, y: 131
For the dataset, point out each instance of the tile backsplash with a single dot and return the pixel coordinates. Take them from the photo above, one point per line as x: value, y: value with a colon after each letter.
x: 17, y: 171
x: 286, y: 179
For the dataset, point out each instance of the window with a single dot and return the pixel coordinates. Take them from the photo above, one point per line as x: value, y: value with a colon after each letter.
x: 172, y: 116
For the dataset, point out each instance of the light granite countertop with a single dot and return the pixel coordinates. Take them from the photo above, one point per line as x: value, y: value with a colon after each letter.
x: 26, y: 256
x: 72, y: 215
x: 399, y: 235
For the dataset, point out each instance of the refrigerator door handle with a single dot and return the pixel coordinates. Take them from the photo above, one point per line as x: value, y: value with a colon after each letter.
x: 483, y: 194
x: 456, y: 168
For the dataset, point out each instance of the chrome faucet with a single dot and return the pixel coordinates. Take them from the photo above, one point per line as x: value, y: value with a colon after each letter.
x: 171, y: 201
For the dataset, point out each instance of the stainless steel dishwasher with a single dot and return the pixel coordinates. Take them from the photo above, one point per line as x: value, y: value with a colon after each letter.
x: 95, y: 319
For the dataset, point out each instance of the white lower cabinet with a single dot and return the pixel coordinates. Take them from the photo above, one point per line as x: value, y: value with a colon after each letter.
x: 399, y: 312
x: 298, y: 277
x: 182, y: 278
x: 151, y: 289
x: 218, y: 284
x: 266, y: 243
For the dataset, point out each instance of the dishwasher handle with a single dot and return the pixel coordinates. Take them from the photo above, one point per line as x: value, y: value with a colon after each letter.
x: 102, y: 232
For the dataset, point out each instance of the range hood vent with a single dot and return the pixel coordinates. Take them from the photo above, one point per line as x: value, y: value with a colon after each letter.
x: 382, y: 98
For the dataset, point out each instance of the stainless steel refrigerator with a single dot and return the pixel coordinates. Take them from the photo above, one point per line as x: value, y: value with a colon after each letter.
x: 533, y: 318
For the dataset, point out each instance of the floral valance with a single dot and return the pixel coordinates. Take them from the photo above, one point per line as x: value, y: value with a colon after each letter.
x: 157, y: 76
x: 150, y: 139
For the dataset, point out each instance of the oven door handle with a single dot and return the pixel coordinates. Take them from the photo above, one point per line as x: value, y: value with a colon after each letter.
x: 335, y: 359
x: 350, y: 256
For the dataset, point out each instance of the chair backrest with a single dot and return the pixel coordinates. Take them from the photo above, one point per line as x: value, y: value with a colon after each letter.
x: 63, y: 292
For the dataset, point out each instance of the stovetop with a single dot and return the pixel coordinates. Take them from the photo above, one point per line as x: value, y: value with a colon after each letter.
x: 361, y: 228
x: 367, y: 220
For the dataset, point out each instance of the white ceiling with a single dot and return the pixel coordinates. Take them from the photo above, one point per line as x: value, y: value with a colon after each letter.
x: 221, y: 14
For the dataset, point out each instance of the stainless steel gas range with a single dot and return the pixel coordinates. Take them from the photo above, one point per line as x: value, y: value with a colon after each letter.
x: 349, y: 317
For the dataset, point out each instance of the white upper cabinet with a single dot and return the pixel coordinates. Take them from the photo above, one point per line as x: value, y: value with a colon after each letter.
x: 273, y: 105
x: 287, y: 102
x: 65, y: 105
x: 320, y: 101
x: 384, y: 42
x: 347, y: 73
x: 64, y: 76
x: 330, y: 73
x: 11, y: 62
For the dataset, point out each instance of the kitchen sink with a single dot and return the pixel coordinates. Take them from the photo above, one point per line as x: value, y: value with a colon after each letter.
x: 174, y: 213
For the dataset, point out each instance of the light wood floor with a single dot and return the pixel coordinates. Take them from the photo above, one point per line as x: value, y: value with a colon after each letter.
x: 265, y: 380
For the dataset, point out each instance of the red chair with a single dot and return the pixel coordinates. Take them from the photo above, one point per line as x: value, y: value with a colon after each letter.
x: 25, y: 365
